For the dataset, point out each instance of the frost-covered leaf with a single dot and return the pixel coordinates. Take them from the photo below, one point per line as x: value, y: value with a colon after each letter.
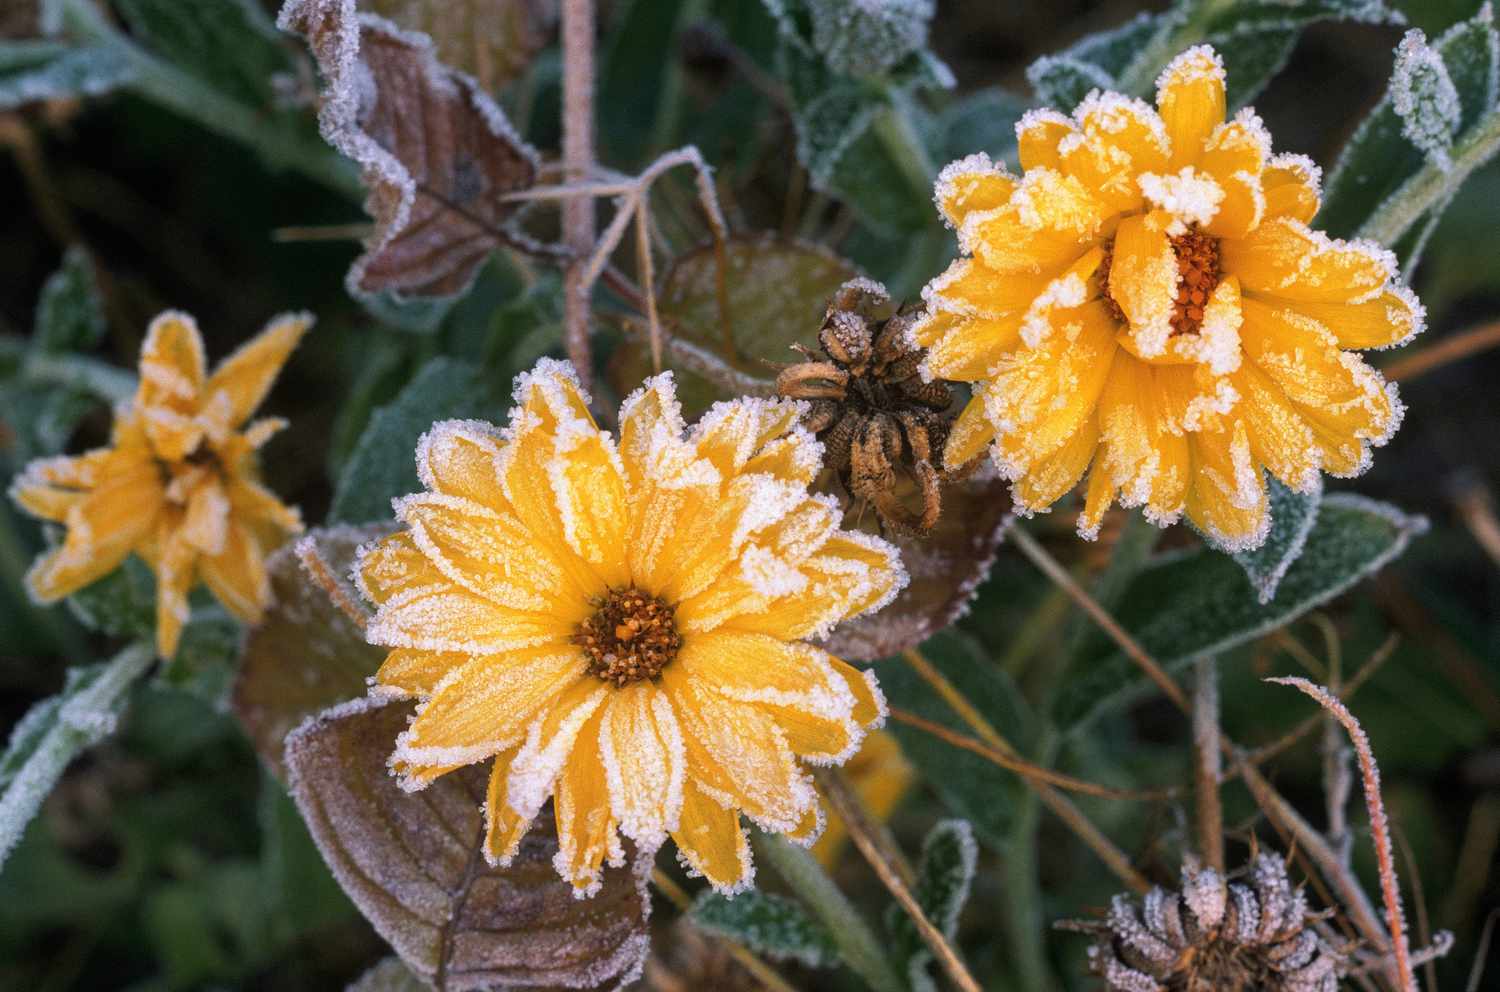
x: 69, y: 313
x: 868, y: 37
x: 768, y: 924
x: 390, y: 975
x: 46, y: 70
x: 945, y: 569
x: 1381, y: 157
x: 983, y: 121
x: 944, y: 878
x: 971, y: 787
x: 412, y: 864
x: 778, y: 290
x: 231, y: 44
x: 122, y: 604
x: 492, y: 40
x: 1423, y: 96
x: 382, y: 465
x: 1292, y: 517
x: 1190, y: 605
x: 436, y: 153
x: 1062, y: 80
x: 306, y: 655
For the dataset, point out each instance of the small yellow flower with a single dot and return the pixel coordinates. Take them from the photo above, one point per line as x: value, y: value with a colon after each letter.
x: 1147, y: 303
x: 621, y: 625
x: 178, y: 484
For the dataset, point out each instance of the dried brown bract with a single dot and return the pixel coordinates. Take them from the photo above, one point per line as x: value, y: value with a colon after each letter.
x: 875, y: 416
x: 1216, y: 935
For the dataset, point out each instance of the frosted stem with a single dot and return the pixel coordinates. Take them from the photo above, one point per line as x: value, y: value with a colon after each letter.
x: 578, y: 163
x: 84, y: 719
x: 858, y: 945
x: 1206, y: 767
x: 164, y: 84
x: 895, y: 132
x: 1433, y: 183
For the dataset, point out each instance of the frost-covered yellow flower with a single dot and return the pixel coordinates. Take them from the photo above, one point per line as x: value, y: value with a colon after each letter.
x: 621, y: 625
x: 178, y: 484
x: 1147, y: 303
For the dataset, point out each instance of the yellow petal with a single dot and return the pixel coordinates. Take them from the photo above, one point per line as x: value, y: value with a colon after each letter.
x: 410, y: 672
x: 971, y: 434
x: 246, y: 376
x: 485, y: 706
x: 1098, y: 498
x: 1291, y: 184
x: 1143, y: 280
x: 974, y: 348
x: 641, y: 746
x: 457, y: 458
x: 172, y: 363
x: 1284, y: 258
x: 585, y: 829
x: 237, y: 574
x: 1145, y: 454
x: 1279, y: 436
x: 1121, y: 138
x: 650, y: 426
x: 971, y: 288
x: 175, y: 575
x: 1227, y: 498
x: 589, y: 488
x: 869, y: 702
x: 503, y: 826
x: 1037, y: 137
x: 1051, y: 477
x: 251, y: 501
x: 551, y: 741
x: 971, y: 185
x: 1190, y: 97
x: 392, y: 566
x: 709, y: 837
x: 730, y: 433
x: 1390, y: 319
x: 206, y: 525
x: 445, y: 617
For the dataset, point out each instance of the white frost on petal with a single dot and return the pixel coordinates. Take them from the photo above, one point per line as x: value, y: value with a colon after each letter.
x: 1310, y: 172
x: 647, y: 805
x: 535, y: 768
x: 1062, y: 293
x: 948, y: 187
x: 1198, y: 62
x: 1190, y: 196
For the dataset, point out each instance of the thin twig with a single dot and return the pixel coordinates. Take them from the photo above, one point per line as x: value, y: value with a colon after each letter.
x: 1206, y: 763
x: 761, y: 971
x: 856, y: 819
x: 1104, y: 848
x: 1476, y: 859
x: 1379, y: 828
x: 1451, y: 349
x: 578, y: 161
x: 1419, y: 901
x: 1477, y: 509
x: 1059, y: 575
x: 1027, y: 769
x: 1477, y: 971
x: 317, y: 569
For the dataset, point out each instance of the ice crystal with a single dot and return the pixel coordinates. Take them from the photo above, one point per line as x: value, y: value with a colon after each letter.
x: 1424, y: 97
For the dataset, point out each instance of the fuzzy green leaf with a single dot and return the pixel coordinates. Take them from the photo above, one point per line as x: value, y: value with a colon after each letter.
x: 69, y: 312
x: 768, y: 924
x: 1292, y: 517
x: 944, y: 877
x: 1190, y: 605
x: 45, y: 70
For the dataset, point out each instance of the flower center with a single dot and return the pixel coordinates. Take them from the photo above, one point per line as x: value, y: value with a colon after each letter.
x: 631, y: 636
x: 1198, y: 276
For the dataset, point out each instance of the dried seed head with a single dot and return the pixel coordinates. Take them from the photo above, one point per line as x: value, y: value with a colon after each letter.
x: 882, y: 427
x: 1215, y: 934
x: 631, y: 636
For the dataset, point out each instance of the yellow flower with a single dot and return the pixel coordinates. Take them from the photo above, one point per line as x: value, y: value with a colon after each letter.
x: 621, y: 625
x: 1147, y: 303
x: 178, y: 484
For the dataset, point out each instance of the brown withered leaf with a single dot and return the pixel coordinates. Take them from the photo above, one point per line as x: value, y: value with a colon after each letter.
x: 436, y: 153
x: 306, y: 655
x: 946, y: 569
x: 492, y: 40
x: 778, y: 289
x: 412, y: 863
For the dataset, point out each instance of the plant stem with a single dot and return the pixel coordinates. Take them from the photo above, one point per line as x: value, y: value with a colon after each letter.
x: 893, y: 128
x: 1433, y: 183
x: 164, y: 84
x: 578, y: 160
x: 1023, y: 887
x: 1206, y: 763
x: 83, y: 720
x: 858, y: 945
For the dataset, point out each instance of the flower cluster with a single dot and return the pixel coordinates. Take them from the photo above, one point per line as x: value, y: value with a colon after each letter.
x: 178, y: 483
x: 621, y: 625
x: 1147, y: 304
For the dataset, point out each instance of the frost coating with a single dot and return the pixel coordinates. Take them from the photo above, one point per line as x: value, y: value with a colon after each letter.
x: 868, y: 37
x: 493, y: 594
x: 1424, y: 97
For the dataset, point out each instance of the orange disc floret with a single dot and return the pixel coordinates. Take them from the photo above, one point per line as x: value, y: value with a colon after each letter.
x: 1146, y: 305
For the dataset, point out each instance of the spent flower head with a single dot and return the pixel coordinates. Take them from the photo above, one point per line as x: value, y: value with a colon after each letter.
x: 621, y: 625
x: 1147, y: 304
x: 178, y: 484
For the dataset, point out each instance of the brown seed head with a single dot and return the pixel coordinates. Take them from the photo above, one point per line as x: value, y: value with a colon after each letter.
x: 631, y: 636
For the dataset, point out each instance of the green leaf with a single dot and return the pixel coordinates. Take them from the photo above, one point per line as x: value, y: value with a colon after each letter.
x: 122, y: 604
x: 1187, y: 606
x: 1379, y: 158
x: 1293, y: 515
x: 383, y: 463
x: 973, y: 788
x: 768, y: 924
x: 945, y: 876
x: 230, y: 43
x: 46, y: 70
x: 69, y: 312
x: 983, y: 121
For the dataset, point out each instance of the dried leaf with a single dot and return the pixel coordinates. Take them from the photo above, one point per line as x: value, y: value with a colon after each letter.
x: 412, y: 864
x: 306, y: 655
x: 492, y: 40
x: 436, y: 153
x: 946, y: 568
x: 777, y: 290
